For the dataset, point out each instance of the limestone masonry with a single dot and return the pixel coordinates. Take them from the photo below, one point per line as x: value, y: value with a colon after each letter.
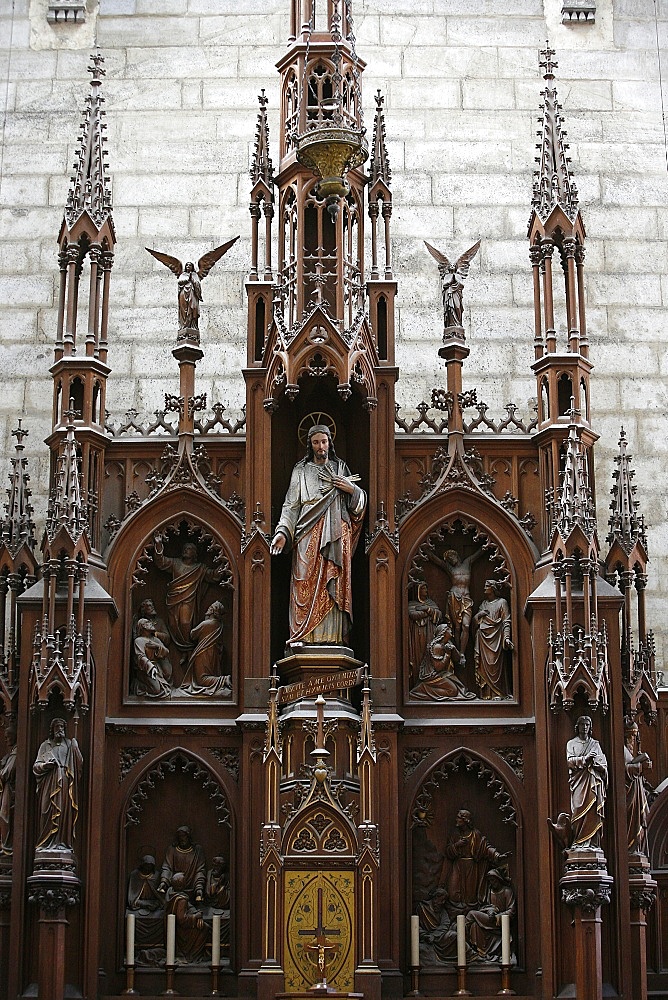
x: 462, y: 87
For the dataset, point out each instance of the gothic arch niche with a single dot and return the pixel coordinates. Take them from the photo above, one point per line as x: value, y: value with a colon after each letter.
x: 318, y: 395
x: 458, y: 636
x: 181, y: 634
x: 465, y: 842
x: 173, y: 791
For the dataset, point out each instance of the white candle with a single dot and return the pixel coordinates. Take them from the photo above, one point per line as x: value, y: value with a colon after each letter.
x: 461, y: 939
x: 505, y: 939
x: 215, y: 941
x: 171, y: 939
x: 415, y: 942
x: 130, y: 939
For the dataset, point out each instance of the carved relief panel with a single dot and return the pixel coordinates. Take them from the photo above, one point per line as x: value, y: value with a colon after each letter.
x: 459, y: 624
x: 464, y: 855
x: 182, y: 626
x: 178, y: 861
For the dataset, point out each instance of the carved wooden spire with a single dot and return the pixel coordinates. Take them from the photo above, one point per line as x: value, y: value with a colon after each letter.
x: 66, y: 506
x: 626, y: 527
x: 262, y: 199
x: 380, y: 161
x: 18, y: 527
x: 18, y: 570
x: 90, y: 188
x: 626, y: 569
x: 262, y: 168
x: 553, y: 180
x: 575, y: 506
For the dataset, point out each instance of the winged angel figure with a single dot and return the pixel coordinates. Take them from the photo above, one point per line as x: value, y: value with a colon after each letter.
x: 190, y: 285
x: 453, y: 277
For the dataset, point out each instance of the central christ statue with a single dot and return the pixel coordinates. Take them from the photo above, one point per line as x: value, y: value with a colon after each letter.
x: 322, y: 520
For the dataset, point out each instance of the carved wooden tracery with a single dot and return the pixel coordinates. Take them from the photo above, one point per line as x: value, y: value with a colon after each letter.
x: 438, y: 538
x: 190, y: 531
x: 462, y: 761
x: 158, y: 771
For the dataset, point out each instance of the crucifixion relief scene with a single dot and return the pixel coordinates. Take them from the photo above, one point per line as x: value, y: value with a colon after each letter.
x: 325, y: 670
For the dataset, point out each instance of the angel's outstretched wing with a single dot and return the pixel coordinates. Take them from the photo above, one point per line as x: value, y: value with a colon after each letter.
x: 205, y: 263
x: 439, y: 257
x: 464, y: 262
x: 173, y: 263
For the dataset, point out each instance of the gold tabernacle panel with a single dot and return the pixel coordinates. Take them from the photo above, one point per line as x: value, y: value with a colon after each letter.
x: 319, y: 908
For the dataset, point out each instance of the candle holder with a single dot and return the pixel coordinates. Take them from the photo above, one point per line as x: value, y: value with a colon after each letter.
x: 215, y: 972
x: 505, y: 990
x: 170, y: 991
x: 415, y: 982
x: 461, y: 983
x: 129, y: 982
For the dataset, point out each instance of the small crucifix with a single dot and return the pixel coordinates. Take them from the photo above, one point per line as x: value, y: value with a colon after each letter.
x: 320, y: 945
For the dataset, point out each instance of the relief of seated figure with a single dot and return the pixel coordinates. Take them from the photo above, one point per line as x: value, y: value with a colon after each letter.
x: 146, y: 902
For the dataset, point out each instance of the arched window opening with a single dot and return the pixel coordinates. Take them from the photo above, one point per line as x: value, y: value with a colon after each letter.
x: 319, y: 254
x: 351, y: 258
x: 291, y: 110
x: 288, y: 256
x: 584, y: 400
x: 544, y: 400
x: 59, y: 401
x: 259, y: 329
x: 381, y: 324
x: 564, y: 394
x: 97, y: 391
x: 77, y: 396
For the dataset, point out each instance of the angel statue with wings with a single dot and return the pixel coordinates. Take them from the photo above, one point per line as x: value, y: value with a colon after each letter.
x: 190, y: 285
x: 453, y: 277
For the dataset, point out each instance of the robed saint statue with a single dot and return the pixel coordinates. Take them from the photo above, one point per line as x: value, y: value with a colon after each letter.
x: 322, y: 520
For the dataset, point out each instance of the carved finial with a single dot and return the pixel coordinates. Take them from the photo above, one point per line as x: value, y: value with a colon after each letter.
x: 366, y: 740
x: 626, y: 526
x: 547, y: 62
x: 553, y: 181
x: 262, y: 168
x: 19, y: 433
x: 96, y: 68
x: 90, y: 188
x: 380, y: 162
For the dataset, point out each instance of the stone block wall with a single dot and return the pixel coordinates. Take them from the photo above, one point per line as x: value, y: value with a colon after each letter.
x: 461, y: 83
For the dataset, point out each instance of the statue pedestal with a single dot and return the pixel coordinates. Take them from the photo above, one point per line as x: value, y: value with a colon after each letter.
x: 450, y: 334
x: 307, y: 671
x: 642, y: 890
x: 585, y: 886
x: 53, y: 886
